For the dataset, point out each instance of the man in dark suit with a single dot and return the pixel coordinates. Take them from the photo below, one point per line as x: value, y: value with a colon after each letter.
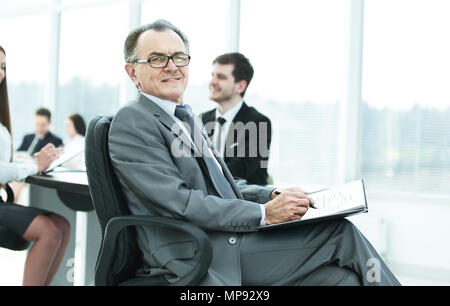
x: 167, y: 166
x: 240, y: 133
x: 33, y: 143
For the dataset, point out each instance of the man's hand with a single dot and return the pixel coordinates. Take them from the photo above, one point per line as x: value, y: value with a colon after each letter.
x: 45, y: 157
x: 277, y: 191
x: 291, y: 204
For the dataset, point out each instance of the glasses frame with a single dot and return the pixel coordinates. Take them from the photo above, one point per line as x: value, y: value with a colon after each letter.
x: 148, y: 60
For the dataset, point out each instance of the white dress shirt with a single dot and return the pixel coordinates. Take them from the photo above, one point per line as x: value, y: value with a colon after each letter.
x: 229, y: 117
x: 169, y: 108
x: 75, y: 144
x: 17, y: 170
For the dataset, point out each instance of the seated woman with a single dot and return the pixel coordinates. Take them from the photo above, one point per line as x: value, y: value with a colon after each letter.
x: 49, y: 232
x: 76, y: 129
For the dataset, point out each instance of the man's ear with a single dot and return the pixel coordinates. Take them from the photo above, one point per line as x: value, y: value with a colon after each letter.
x: 241, y: 86
x: 131, y: 71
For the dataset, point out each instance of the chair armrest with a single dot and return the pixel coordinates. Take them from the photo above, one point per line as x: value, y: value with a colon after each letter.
x: 9, y: 193
x: 115, y: 225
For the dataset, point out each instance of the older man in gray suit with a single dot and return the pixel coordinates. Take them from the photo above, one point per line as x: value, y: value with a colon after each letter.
x: 167, y: 168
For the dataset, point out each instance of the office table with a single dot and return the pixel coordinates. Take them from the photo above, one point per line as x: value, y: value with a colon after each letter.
x: 67, y: 193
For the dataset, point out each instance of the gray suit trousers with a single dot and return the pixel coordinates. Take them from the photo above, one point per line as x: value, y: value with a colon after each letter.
x: 325, y: 253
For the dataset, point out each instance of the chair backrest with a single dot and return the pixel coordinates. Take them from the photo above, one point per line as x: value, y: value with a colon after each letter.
x: 108, y: 199
x: 8, y: 239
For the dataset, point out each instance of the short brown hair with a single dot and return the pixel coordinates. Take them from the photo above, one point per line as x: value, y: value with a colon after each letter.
x: 242, y: 69
x: 44, y: 112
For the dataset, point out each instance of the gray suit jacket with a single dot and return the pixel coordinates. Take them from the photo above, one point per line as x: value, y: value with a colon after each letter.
x: 145, y: 145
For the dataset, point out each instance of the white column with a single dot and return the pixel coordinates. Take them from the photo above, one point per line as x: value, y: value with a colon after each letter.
x: 127, y: 88
x: 235, y: 20
x: 53, y: 77
x: 349, y: 144
x: 80, y: 248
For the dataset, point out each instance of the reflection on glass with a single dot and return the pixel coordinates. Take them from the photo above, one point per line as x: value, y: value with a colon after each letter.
x: 17, y: 6
x: 26, y: 41
x: 208, y: 37
x: 406, y: 106
x: 298, y: 50
x: 91, y: 62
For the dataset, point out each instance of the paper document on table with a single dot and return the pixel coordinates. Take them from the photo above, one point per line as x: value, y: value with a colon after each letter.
x: 63, y: 158
x: 336, y: 202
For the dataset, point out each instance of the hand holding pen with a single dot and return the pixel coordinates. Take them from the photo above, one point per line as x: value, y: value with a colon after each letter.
x: 286, y: 205
x: 311, y: 201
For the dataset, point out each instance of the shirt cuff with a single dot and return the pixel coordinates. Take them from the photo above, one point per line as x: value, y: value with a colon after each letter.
x: 25, y: 170
x: 263, y: 215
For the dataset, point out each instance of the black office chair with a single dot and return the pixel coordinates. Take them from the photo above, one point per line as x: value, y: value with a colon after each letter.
x: 8, y: 239
x: 119, y: 256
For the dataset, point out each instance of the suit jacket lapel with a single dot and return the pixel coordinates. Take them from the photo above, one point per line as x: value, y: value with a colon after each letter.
x: 222, y: 163
x: 225, y: 170
x: 209, y: 117
x: 241, y: 116
x: 168, y: 122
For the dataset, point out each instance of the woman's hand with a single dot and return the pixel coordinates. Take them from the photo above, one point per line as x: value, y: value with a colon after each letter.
x: 45, y: 157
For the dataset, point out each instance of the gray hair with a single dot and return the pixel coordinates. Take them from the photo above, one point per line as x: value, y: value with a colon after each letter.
x: 160, y: 25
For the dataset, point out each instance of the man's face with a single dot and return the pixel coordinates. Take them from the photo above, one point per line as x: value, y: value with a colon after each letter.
x: 222, y: 86
x: 41, y: 125
x: 167, y: 83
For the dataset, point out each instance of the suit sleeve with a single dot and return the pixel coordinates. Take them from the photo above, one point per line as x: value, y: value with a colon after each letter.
x: 58, y: 142
x: 16, y: 171
x: 151, y: 179
x: 25, y: 144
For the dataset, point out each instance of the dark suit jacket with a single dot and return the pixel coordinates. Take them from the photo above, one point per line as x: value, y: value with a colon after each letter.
x: 49, y: 138
x: 249, y: 167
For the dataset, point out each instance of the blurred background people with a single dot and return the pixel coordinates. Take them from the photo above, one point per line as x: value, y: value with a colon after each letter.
x: 33, y: 143
x: 49, y: 232
x: 76, y: 129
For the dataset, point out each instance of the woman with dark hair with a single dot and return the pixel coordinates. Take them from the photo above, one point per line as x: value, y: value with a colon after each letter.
x: 76, y: 129
x: 49, y: 232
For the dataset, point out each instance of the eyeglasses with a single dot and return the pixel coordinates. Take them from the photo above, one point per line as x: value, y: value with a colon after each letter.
x: 161, y: 61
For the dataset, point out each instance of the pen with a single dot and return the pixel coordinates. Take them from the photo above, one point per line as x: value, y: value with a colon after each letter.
x: 310, y: 205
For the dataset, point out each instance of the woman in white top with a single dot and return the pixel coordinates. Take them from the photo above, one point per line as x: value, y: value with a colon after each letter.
x: 49, y: 232
x: 76, y: 129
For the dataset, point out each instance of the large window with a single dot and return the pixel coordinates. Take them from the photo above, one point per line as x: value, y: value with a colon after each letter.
x: 91, y: 62
x: 298, y: 50
x: 208, y: 36
x: 406, y: 110
x: 26, y: 41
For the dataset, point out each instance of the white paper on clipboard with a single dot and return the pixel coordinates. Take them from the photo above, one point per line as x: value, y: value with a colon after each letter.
x: 63, y: 159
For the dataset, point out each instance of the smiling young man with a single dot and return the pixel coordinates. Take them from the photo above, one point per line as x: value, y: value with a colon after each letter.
x: 240, y: 133
x: 199, y: 189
